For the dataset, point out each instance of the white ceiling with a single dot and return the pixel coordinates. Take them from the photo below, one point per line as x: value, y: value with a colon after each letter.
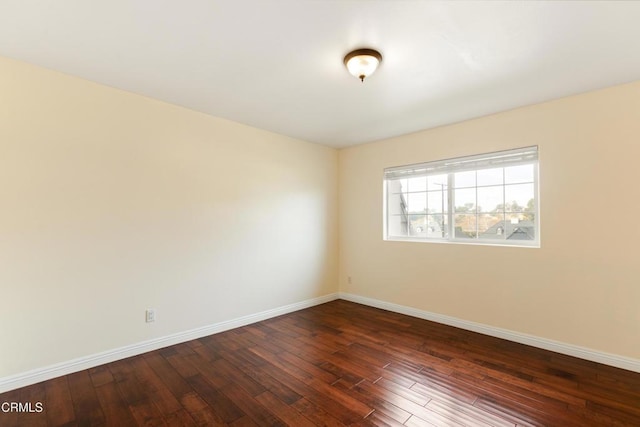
x: 277, y: 65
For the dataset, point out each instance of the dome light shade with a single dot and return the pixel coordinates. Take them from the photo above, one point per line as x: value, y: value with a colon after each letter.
x: 362, y: 63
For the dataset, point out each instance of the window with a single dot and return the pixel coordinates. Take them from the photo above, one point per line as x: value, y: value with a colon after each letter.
x: 489, y: 198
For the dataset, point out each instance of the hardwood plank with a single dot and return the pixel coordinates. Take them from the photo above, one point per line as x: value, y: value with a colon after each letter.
x: 116, y: 410
x: 222, y: 406
x: 316, y: 414
x: 201, y: 413
x: 260, y: 414
x: 261, y: 376
x: 86, y: 405
x: 156, y: 390
x: 59, y: 409
x: 183, y: 365
x: 30, y: 396
x: 507, y: 411
x: 344, y: 413
x: 405, y: 392
x: 180, y: 418
x: 283, y: 411
x: 238, y: 377
x: 206, y: 370
x: 293, y: 366
x: 598, y: 418
x: 100, y: 375
x: 522, y: 396
x: 417, y: 410
x: 244, y: 422
x: 383, y: 410
x: 345, y: 376
x: 145, y: 413
x: 7, y: 417
x: 355, y: 365
x: 418, y: 422
x: 380, y: 419
x: 506, y: 381
x: 467, y: 414
x: 431, y: 383
x: 316, y: 372
x: 168, y: 375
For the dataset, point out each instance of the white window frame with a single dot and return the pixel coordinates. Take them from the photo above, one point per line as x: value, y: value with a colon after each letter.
x: 506, y: 158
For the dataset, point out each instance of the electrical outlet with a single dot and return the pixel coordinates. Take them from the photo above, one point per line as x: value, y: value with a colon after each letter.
x: 150, y: 315
x: 349, y: 279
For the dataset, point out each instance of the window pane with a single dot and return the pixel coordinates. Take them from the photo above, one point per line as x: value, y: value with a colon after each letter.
x: 397, y: 186
x: 465, y: 179
x: 418, y: 225
x: 417, y: 202
x: 519, y: 197
x: 465, y: 200
x: 396, y: 203
x: 437, y: 182
x: 516, y: 174
x: 491, y: 226
x: 520, y: 227
x: 490, y: 176
x: 418, y: 184
x: 498, y: 204
x: 465, y: 226
x: 397, y: 225
x: 437, y: 201
x: 517, y: 218
x: 490, y: 199
x: 437, y: 226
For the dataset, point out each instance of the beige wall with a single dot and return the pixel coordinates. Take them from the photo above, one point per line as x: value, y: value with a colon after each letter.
x: 111, y: 203
x: 581, y: 287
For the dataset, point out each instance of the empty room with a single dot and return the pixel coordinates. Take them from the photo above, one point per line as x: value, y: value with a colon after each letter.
x: 319, y: 213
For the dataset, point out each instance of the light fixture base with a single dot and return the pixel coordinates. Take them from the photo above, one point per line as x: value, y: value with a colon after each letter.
x: 361, y: 63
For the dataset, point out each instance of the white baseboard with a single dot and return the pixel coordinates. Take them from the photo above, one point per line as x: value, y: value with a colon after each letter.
x: 544, y: 343
x: 82, y: 363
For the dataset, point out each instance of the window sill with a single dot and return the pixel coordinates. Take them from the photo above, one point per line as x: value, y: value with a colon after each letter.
x: 474, y: 242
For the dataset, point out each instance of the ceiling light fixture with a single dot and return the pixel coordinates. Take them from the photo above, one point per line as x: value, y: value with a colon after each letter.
x: 362, y: 63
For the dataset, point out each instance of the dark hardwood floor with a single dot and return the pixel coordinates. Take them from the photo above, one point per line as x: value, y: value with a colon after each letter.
x: 339, y: 364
